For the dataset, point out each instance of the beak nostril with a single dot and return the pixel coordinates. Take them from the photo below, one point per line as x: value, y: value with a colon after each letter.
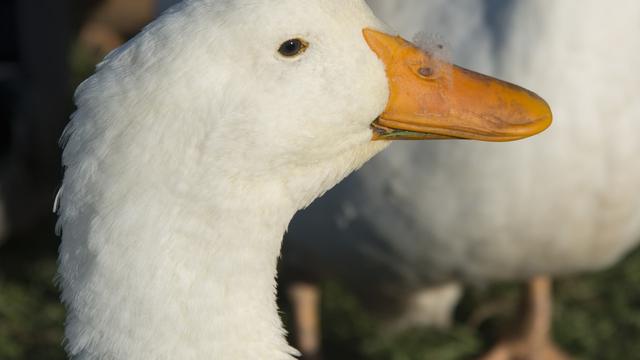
x: 425, y: 71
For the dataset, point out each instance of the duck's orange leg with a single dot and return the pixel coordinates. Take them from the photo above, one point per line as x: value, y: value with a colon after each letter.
x: 533, y: 341
x: 305, y: 301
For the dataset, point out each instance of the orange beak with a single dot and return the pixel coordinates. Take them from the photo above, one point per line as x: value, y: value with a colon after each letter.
x: 433, y: 99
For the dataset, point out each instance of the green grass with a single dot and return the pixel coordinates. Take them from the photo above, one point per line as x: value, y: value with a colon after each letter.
x: 30, y: 315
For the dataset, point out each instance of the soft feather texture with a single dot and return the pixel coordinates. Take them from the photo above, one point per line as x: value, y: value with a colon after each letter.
x: 192, y: 147
x: 564, y: 202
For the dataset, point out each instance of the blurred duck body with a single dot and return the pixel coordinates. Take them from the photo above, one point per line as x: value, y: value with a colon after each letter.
x: 561, y: 203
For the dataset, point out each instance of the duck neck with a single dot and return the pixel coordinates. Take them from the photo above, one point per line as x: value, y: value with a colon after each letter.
x: 181, y: 277
x: 182, y: 264
x: 230, y: 295
x: 230, y: 292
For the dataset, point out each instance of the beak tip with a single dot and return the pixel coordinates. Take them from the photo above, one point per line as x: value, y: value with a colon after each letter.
x: 545, y: 120
x: 538, y: 118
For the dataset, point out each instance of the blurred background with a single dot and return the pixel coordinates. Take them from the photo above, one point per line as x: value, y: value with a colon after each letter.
x: 48, y: 47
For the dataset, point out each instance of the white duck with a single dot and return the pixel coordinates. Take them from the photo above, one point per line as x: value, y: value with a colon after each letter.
x: 195, y: 143
x: 565, y: 202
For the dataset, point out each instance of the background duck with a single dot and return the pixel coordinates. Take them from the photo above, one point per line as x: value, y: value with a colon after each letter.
x: 563, y: 203
x: 195, y: 143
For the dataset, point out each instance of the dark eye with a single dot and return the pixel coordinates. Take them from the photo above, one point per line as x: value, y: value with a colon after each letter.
x: 293, y: 47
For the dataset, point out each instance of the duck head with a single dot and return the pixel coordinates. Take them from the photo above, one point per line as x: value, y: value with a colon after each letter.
x: 312, y: 79
x: 275, y: 83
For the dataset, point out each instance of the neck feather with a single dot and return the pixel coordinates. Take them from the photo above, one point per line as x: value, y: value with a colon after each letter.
x: 163, y: 277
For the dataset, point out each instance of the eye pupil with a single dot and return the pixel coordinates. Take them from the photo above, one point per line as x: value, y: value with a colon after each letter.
x: 292, y: 47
